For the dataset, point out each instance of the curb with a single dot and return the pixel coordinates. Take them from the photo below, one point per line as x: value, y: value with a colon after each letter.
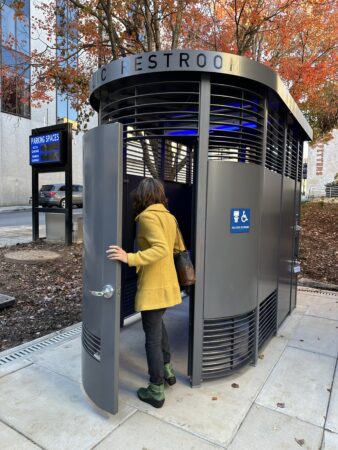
x: 14, y: 208
x: 317, y: 284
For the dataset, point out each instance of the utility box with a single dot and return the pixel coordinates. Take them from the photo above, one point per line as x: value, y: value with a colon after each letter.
x: 55, y: 227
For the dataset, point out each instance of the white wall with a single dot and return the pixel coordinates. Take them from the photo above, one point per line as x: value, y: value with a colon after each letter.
x: 15, y: 171
x: 322, y: 164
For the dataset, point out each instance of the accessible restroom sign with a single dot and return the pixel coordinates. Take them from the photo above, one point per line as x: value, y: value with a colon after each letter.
x: 240, y: 220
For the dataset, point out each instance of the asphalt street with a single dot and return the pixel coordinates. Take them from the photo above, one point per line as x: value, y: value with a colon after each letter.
x: 18, y: 218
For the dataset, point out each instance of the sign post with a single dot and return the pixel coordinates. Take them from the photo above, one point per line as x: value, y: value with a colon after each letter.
x: 50, y: 150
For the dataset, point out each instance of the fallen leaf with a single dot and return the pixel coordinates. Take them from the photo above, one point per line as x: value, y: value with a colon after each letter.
x: 214, y: 398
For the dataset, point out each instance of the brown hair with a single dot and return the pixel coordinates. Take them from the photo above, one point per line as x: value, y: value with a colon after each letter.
x: 149, y: 192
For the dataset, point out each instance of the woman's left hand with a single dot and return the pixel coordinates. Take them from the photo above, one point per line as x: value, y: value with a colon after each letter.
x: 116, y: 253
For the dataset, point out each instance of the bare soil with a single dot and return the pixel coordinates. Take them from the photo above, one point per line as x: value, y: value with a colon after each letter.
x: 48, y: 295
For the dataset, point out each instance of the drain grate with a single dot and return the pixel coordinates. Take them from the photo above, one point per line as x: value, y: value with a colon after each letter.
x: 319, y: 292
x: 40, y: 345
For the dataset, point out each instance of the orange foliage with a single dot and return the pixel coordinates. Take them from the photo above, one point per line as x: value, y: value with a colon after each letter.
x: 296, y: 38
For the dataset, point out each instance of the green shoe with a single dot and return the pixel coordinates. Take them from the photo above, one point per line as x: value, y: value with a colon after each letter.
x: 153, y: 394
x: 169, y: 374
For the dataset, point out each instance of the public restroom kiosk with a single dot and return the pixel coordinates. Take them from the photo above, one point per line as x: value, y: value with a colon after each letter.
x: 226, y: 138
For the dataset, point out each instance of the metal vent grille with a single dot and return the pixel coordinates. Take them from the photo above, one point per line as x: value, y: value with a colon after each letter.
x: 267, y: 318
x: 236, y: 124
x: 274, y: 144
x: 291, y: 155
x: 160, y: 127
x: 91, y: 343
x: 300, y: 162
x: 228, y: 343
x: 128, y: 297
x: 38, y: 345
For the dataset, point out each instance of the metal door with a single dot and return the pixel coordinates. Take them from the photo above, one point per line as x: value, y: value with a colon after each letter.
x: 102, y: 216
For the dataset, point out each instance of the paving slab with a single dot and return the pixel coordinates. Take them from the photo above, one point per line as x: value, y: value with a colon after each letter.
x: 48, y: 408
x: 211, y: 414
x: 317, y: 335
x: 290, y: 324
x: 300, y: 380
x: 14, y: 366
x: 330, y: 441
x: 11, y: 440
x: 313, y: 296
x: 328, y: 310
x: 264, y: 429
x: 332, y: 416
x: 64, y: 359
x: 192, y: 409
x: 142, y: 431
x: 251, y: 379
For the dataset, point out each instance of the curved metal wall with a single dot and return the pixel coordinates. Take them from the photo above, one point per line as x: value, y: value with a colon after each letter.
x: 254, y: 157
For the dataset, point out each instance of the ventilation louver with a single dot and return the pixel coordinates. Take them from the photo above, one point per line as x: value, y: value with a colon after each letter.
x: 160, y: 127
x: 267, y: 318
x: 236, y: 124
x: 274, y: 144
x: 91, y: 343
x: 228, y: 343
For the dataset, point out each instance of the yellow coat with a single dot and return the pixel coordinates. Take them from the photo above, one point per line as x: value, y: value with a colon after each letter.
x: 157, y: 237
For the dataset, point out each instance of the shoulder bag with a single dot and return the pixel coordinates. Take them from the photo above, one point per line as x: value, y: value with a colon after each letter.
x: 184, y: 267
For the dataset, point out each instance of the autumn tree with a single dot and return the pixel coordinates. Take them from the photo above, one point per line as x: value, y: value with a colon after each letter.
x: 296, y: 38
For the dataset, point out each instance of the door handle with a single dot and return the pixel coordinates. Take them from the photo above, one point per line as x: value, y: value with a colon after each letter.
x: 107, y: 292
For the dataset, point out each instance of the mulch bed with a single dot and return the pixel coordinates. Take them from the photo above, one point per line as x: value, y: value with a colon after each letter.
x: 319, y: 242
x: 48, y: 295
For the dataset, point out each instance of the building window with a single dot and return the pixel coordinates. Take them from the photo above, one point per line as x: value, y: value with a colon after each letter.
x: 67, y: 39
x: 15, y: 50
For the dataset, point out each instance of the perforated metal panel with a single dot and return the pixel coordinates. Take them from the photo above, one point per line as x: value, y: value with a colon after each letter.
x: 267, y: 318
x: 228, y: 343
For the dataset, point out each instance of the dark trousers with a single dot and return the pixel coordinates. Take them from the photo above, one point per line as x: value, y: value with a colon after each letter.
x: 157, y: 344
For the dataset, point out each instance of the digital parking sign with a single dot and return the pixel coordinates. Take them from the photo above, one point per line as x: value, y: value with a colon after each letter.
x: 46, y: 148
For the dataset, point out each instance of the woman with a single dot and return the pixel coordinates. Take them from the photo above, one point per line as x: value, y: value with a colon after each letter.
x: 157, y: 285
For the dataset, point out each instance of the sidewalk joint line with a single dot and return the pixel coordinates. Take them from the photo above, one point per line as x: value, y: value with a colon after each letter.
x: 280, y: 411
x: 329, y: 401
x: 126, y: 419
x: 312, y: 351
x: 318, y: 317
x: 17, y: 370
x: 12, y: 427
x: 257, y: 394
x: 180, y: 427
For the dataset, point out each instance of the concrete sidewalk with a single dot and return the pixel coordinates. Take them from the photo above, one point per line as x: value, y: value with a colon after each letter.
x: 42, y: 403
x: 19, y: 235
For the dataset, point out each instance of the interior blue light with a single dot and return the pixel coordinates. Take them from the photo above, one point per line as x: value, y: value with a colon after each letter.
x: 226, y: 127
x: 250, y: 124
x: 181, y: 133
